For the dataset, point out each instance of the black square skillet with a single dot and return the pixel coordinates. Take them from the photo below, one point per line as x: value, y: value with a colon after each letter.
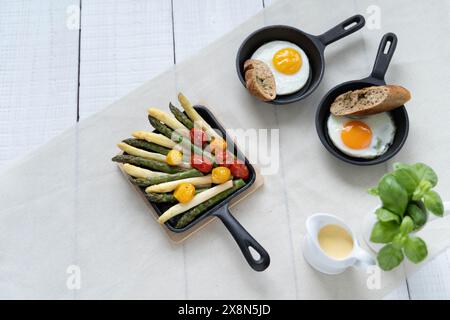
x: 244, y: 240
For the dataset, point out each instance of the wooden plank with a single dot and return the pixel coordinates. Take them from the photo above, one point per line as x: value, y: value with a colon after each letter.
x: 123, y: 44
x: 199, y: 22
x: 432, y: 281
x: 401, y: 293
x: 39, y: 66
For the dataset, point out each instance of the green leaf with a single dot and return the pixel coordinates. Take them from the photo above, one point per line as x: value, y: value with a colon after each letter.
x: 423, y: 187
x: 433, y: 202
x: 417, y: 214
x: 393, y: 196
x: 401, y: 165
x: 399, y: 240
x: 389, y: 257
x: 424, y: 172
x: 407, y: 225
x: 384, y: 232
x: 385, y: 215
x: 415, y: 249
x: 407, y: 178
x: 373, y: 191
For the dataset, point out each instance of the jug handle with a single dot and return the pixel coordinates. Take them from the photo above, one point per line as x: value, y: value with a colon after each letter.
x: 364, y: 259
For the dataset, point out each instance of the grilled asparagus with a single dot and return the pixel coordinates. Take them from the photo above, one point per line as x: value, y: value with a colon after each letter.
x: 147, y: 163
x: 141, y: 153
x: 175, y: 136
x: 166, y: 197
x: 138, y: 172
x: 180, y: 116
x: 168, y: 120
x: 172, y: 185
x: 145, y: 145
x: 161, y: 197
x: 194, y: 116
x: 153, y: 137
x: 165, y: 130
x: 191, y: 214
x: 172, y: 177
x: 180, y: 208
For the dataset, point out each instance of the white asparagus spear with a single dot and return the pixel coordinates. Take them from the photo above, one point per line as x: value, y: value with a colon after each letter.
x: 170, y: 121
x: 147, y: 154
x: 141, y: 153
x: 138, y: 172
x: 199, y: 198
x: 155, y: 138
x: 172, y: 185
x: 195, y: 117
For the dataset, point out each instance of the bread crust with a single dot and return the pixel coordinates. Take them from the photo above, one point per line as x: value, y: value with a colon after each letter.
x: 370, y: 100
x: 259, y: 80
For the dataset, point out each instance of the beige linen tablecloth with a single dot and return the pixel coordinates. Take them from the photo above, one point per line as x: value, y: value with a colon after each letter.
x: 68, y: 204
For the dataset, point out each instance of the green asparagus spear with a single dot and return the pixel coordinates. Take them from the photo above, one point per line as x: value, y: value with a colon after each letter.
x: 148, y: 146
x: 165, y: 130
x: 166, y: 197
x: 175, y: 136
x: 180, y: 116
x: 145, y: 182
x: 161, y: 197
x: 147, y: 163
x: 191, y: 214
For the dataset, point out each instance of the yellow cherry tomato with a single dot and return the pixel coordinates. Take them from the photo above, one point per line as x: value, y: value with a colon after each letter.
x: 184, y: 192
x: 217, y: 145
x: 174, y: 157
x: 220, y: 175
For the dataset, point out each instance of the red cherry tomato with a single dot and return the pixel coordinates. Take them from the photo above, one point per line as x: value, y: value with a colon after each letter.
x: 198, y: 137
x: 200, y: 163
x: 239, y: 170
x: 224, y: 158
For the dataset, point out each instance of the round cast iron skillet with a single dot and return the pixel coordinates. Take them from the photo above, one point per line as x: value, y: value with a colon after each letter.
x: 399, y: 115
x: 314, y: 47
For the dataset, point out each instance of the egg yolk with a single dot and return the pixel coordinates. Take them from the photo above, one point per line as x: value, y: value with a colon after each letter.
x: 287, y: 61
x: 356, y: 135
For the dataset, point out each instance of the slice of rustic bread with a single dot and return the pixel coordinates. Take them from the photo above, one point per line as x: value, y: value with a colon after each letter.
x: 370, y: 100
x: 259, y: 80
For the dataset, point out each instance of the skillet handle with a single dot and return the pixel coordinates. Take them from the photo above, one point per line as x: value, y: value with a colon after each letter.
x: 244, y: 240
x: 342, y: 30
x: 384, y: 58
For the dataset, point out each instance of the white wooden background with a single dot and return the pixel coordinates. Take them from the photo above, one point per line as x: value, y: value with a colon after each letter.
x: 53, y: 73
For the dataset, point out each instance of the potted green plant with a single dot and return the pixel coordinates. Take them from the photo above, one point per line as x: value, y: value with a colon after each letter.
x: 406, y: 196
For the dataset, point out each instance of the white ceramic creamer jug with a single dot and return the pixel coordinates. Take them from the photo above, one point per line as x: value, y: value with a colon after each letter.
x: 321, y: 261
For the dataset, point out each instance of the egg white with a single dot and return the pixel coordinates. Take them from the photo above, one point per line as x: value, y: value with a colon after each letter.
x: 285, y: 83
x: 383, y: 132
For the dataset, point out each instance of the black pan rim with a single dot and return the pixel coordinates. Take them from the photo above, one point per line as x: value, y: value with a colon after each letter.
x: 323, y: 134
x: 312, y: 86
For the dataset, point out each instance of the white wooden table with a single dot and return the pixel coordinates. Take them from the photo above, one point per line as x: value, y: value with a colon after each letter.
x: 63, y: 60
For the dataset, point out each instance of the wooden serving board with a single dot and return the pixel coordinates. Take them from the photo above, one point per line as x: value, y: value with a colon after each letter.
x: 179, y: 237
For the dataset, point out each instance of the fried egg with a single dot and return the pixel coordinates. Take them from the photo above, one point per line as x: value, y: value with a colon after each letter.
x: 363, y: 137
x: 288, y: 63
